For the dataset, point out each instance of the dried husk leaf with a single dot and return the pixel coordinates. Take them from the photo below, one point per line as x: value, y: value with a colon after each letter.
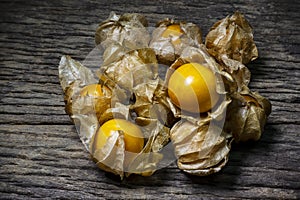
x: 83, y: 110
x: 145, y: 163
x: 111, y: 157
x: 73, y: 76
x: 119, y: 34
x: 201, y: 150
x: 166, y: 49
x: 113, y: 52
x: 165, y: 115
x: 68, y: 99
x: 137, y: 72
x: 71, y: 71
x: 239, y: 72
x: 151, y: 104
x: 129, y: 30
x: 232, y: 38
x: 247, y: 115
x: 230, y: 41
x: 153, y: 112
x: 133, y: 68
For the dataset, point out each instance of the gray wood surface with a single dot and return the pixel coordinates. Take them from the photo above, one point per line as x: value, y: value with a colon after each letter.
x: 41, y: 155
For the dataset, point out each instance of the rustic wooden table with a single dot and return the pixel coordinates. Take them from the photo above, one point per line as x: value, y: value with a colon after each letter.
x: 41, y: 155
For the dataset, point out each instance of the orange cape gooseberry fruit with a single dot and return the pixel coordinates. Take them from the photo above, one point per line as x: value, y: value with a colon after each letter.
x: 192, y: 87
x: 101, y: 96
x: 94, y: 90
x: 133, y: 136
x: 174, y: 31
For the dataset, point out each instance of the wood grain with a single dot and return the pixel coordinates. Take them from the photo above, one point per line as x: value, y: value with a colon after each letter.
x: 41, y: 155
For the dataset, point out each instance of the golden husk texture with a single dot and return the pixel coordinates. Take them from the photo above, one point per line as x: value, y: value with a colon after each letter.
x: 119, y: 34
x: 133, y: 91
x: 133, y: 68
x: 129, y: 30
x: 232, y: 37
x: 247, y: 115
x: 230, y: 42
x: 201, y: 150
x: 166, y: 50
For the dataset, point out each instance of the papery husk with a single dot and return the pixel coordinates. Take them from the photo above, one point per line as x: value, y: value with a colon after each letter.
x: 230, y: 41
x: 137, y: 73
x: 119, y: 34
x: 128, y: 30
x: 200, y: 144
x: 133, y: 68
x: 113, y: 52
x: 151, y: 104
x: 145, y: 163
x: 71, y: 71
x: 111, y: 157
x: 154, y: 116
x: 201, y: 150
x: 233, y: 37
x: 247, y: 115
x: 165, y: 115
x: 167, y: 51
x: 73, y: 76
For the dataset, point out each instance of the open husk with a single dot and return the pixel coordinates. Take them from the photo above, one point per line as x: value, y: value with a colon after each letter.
x: 200, y: 55
x: 202, y: 147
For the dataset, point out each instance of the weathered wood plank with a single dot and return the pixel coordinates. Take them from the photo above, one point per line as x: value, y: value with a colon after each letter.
x: 41, y: 155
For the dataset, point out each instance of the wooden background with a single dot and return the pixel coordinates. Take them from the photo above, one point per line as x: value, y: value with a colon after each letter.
x: 41, y: 155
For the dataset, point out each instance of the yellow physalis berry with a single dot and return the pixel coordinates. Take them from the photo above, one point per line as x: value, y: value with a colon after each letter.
x: 192, y: 87
x: 133, y: 136
x: 174, y: 31
x: 94, y: 90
